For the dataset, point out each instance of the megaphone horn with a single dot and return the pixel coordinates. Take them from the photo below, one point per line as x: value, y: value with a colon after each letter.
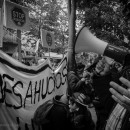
x: 87, y: 42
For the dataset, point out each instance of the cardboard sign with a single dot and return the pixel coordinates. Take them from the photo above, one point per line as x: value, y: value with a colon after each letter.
x: 47, y: 39
x: 16, y: 16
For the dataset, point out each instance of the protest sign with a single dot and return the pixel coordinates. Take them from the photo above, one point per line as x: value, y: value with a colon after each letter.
x: 47, y: 39
x: 16, y: 16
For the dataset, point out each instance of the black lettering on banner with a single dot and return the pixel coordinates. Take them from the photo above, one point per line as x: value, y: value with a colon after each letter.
x: 64, y: 75
x: 37, y: 91
x: 26, y: 126
x: 32, y: 123
x: 52, y: 88
x: 1, y: 81
x: 19, y: 83
x: 6, y: 90
x: 2, y: 90
x: 58, y: 78
x: 18, y: 122
x: 27, y: 94
x: 43, y: 95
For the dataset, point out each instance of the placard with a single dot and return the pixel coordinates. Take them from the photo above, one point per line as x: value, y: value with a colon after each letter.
x: 47, y: 39
x: 16, y: 16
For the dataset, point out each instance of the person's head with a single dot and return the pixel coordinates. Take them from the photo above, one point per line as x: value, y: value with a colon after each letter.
x: 80, y: 121
x: 88, y: 76
x: 80, y: 69
x: 103, y: 67
x: 77, y: 100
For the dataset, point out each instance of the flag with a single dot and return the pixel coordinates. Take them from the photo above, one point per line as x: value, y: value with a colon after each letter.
x: 37, y: 45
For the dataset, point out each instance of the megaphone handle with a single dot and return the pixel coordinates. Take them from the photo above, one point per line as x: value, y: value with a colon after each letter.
x: 116, y: 53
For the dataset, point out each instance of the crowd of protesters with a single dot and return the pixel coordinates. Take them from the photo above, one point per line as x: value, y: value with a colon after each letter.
x: 107, y: 90
x: 102, y: 85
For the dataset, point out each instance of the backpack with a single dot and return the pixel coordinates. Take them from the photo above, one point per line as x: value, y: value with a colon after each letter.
x: 41, y: 113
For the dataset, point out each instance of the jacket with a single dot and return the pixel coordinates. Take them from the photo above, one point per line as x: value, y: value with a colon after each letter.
x: 58, y: 116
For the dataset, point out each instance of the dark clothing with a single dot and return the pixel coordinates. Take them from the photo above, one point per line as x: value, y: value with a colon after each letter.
x: 61, y: 119
x: 82, y: 120
x: 58, y: 116
x: 77, y: 85
x: 105, y: 103
x: 73, y: 82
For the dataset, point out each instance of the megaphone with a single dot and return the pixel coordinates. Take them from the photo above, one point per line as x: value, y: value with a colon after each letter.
x: 87, y: 42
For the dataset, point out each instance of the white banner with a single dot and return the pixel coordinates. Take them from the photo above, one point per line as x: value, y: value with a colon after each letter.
x: 16, y: 16
x: 23, y: 88
x: 47, y: 39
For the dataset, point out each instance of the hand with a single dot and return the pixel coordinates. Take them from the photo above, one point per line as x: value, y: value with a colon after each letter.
x: 120, y: 94
x: 83, y: 79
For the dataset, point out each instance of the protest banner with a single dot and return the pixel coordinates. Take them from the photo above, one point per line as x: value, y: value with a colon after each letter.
x: 23, y: 88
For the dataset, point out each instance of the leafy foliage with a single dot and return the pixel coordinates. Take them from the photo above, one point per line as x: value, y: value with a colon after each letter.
x: 24, y: 2
x: 48, y: 15
x: 126, y: 8
x: 106, y: 20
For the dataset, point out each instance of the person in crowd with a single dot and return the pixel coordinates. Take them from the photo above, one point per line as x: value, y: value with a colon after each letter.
x: 53, y: 114
x: 59, y: 114
x: 89, y: 88
x: 68, y: 112
x: 80, y: 116
x: 76, y: 81
x: 103, y: 103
